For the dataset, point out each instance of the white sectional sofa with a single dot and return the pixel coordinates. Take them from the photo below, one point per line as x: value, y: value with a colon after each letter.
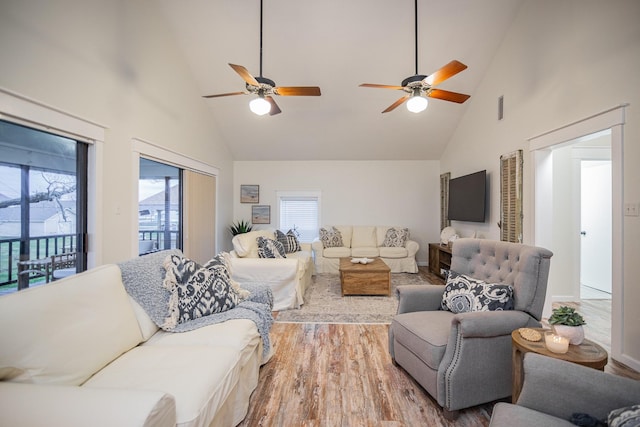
x: 287, y: 277
x: 365, y: 241
x: 82, y: 352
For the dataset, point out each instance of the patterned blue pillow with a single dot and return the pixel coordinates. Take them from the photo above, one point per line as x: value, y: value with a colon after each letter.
x: 289, y: 241
x: 396, y: 238
x: 625, y: 417
x: 196, y: 291
x: 463, y: 294
x: 269, y: 248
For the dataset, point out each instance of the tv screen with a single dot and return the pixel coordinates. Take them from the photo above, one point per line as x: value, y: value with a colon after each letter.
x: 467, y: 197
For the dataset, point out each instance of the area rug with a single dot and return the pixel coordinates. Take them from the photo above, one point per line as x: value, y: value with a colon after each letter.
x: 324, y: 303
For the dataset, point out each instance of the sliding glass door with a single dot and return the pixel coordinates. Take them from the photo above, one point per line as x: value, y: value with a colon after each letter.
x: 159, y: 207
x: 43, y: 204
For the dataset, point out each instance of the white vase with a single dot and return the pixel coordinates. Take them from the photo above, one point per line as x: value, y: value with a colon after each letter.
x: 574, y: 333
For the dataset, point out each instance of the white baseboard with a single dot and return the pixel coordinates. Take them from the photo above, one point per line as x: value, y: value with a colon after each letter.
x: 628, y: 361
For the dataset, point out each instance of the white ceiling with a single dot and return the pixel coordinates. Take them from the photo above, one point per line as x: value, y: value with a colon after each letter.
x: 337, y: 45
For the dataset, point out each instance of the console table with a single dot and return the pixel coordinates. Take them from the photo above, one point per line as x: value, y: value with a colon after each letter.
x: 439, y: 259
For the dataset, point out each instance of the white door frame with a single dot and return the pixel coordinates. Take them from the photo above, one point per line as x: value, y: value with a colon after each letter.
x: 540, y: 149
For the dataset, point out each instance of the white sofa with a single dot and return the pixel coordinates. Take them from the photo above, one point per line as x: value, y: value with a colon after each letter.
x: 81, y: 352
x: 365, y: 241
x: 287, y: 277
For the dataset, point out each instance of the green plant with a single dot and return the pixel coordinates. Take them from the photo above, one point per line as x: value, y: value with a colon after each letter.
x: 566, y: 316
x: 240, y: 227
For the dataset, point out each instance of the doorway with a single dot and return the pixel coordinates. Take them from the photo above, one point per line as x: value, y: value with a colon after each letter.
x: 559, y: 236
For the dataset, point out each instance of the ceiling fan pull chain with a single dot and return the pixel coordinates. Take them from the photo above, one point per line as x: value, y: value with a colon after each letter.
x: 260, y: 38
x: 416, y: 28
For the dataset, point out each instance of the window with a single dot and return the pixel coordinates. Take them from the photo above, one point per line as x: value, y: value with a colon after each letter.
x: 511, y: 197
x: 159, y: 207
x: 43, y: 203
x: 300, y: 211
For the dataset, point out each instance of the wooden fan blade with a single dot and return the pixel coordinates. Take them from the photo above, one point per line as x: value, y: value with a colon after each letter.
x: 246, y: 76
x: 449, y: 70
x: 396, y: 104
x: 274, y: 107
x: 381, y: 86
x: 224, y: 94
x: 448, y: 96
x: 297, y: 91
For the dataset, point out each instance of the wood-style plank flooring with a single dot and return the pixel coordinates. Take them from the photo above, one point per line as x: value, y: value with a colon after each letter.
x: 342, y: 375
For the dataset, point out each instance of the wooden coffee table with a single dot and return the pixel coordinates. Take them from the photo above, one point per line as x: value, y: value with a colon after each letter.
x: 587, y: 354
x: 365, y: 279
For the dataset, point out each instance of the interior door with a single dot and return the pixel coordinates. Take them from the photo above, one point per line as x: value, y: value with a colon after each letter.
x: 595, y: 244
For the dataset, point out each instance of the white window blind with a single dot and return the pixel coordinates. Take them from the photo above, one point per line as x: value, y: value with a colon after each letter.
x: 300, y: 213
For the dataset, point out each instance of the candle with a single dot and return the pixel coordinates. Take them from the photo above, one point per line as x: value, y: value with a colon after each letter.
x: 556, y: 343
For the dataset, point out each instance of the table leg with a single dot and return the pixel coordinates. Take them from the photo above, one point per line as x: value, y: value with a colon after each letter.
x: 518, y: 373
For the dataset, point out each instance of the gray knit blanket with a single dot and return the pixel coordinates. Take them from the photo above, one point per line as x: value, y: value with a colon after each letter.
x: 143, y: 279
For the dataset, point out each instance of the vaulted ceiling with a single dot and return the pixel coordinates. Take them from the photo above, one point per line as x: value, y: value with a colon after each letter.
x: 337, y: 45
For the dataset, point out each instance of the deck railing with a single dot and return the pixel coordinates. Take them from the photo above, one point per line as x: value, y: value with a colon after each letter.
x: 39, y: 247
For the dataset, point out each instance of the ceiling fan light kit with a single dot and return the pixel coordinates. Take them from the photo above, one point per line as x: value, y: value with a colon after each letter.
x: 420, y: 87
x: 264, y: 88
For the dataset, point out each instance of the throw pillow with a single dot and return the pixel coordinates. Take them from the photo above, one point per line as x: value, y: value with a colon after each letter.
x: 289, y: 241
x: 224, y: 259
x: 196, y: 291
x: 623, y: 417
x: 269, y: 248
x: 331, y: 238
x: 463, y: 294
x: 396, y: 238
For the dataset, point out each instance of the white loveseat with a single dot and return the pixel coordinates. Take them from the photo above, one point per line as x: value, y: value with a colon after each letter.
x: 81, y: 352
x: 365, y: 241
x: 287, y: 277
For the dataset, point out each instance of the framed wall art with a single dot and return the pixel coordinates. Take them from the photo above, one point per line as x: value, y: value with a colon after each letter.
x: 261, y: 214
x: 249, y: 194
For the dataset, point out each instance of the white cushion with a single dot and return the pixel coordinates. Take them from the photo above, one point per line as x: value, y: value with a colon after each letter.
x: 393, y: 252
x: 340, y: 252
x: 198, y: 377
x: 360, y: 252
x: 65, y: 331
x: 147, y: 326
x: 363, y: 237
x: 246, y: 245
x: 234, y: 333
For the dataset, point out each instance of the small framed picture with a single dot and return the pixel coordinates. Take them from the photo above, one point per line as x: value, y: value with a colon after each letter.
x: 261, y: 214
x: 249, y: 194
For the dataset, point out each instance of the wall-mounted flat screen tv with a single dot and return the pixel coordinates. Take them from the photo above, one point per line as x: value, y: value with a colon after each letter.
x: 467, y: 197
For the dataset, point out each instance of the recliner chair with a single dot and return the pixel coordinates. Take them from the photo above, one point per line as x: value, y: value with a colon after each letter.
x: 464, y: 359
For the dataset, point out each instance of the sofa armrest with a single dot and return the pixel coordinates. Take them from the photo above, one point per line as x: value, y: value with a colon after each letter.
x: 40, y: 405
x: 419, y: 298
x: 561, y: 388
x: 485, y: 324
x: 317, y: 247
x: 412, y: 248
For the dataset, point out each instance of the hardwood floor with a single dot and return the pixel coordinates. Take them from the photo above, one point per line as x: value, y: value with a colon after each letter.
x: 342, y: 375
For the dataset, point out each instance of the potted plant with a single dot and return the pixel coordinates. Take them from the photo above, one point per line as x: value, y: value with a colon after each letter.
x: 240, y: 227
x: 566, y: 321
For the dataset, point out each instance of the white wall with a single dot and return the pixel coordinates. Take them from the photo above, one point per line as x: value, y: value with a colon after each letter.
x: 561, y: 61
x: 403, y: 193
x: 114, y: 63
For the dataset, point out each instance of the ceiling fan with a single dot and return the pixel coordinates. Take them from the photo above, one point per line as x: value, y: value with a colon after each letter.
x: 265, y: 88
x: 420, y: 87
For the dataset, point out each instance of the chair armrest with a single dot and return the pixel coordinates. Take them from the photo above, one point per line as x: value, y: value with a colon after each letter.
x: 484, y: 324
x: 561, y: 388
x: 40, y: 405
x: 419, y: 298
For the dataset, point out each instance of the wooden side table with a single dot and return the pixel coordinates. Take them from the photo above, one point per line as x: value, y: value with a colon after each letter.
x: 587, y: 354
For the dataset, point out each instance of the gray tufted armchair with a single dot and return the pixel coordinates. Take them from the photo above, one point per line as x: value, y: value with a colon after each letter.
x: 463, y: 360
